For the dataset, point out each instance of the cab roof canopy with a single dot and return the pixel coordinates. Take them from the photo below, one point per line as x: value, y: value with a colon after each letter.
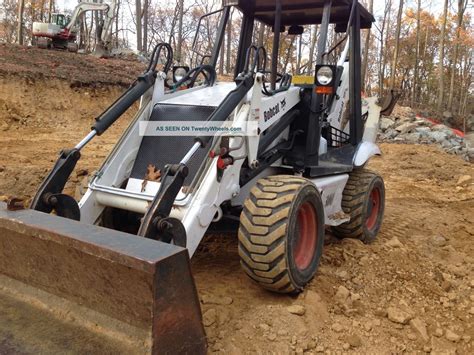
x: 302, y: 12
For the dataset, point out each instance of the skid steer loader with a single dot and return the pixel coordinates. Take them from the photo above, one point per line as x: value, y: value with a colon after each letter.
x: 113, y: 269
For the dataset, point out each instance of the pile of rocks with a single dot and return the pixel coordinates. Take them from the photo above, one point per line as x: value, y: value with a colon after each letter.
x: 406, y: 127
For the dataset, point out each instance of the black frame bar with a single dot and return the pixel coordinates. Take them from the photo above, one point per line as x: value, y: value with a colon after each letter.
x: 355, y: 99
x: 276, y: 44
x: 314, y: 126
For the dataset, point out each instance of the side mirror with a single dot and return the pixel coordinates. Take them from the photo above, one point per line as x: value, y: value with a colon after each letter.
x: 282, y: 29
x: 179, y: 72
x: 295, y: 30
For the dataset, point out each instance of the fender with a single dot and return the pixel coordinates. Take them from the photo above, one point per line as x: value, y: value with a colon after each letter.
x: 364, y: 152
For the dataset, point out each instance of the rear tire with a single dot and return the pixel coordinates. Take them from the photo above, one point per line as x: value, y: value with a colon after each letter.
x: 364, y: 200
x: 281, y: 233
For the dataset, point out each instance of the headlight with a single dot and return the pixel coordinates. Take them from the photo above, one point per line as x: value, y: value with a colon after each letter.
x: 324, y: 75
x: 179, y: 73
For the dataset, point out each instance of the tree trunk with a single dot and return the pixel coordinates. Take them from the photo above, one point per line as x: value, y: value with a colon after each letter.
x: 366, y: 50
x: 461, y: 7
x: 179, y: 46
x: 311, y: 49
x: 138, y: 23
x: 21, y: 9
x: 382, y: 60
x: 117, y: 24
x: 228, y: 68
x: 50, y: 10
x: 298, y: 59
x: 439, y: 104
x: 145, y: 26
x: 261, y: 34
x: 288, y: 54
x: 417, y: 54
x: 397, y: 45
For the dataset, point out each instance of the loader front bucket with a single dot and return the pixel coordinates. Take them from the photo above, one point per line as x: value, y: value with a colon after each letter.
x: 75, y: 288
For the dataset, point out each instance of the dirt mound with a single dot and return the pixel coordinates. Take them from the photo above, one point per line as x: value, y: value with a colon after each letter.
x: 78, y: 69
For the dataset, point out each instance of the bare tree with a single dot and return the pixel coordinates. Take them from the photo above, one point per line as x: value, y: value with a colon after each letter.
x: 397, y: 45
x: 145, y: 25
x: 314, y: 35
x: 366, y: 49
x: 417, y: 54
x: 462, y: 4
x: 229, y: 45
x: 50, y: 9
x: 383, y: 30
x: 179, y: 45
x: 439, y: 104
x: 21, y: 9
x: 138, y: 23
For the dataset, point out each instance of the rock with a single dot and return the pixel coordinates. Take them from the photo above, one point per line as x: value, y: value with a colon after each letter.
x: 446, y: 285
x: 464, y: 180
x: 210, y: 299
x: 394, y: 243
x: 380, y: 312
x: 398, y: 315
x: 419, y: 327
x: 413, y: 137
x: 346, y: 346
x: 438, y: 332
x: 223, y: 316
x: 296, y: 309
x: 319, y: 349
x: 264, y: 327
x: 406, y: 127
x: 310, y: 345
x: 342, y: 295
x: 354, y: 340
x: 272, y: 336
x: 337, y: 327
x: 209, y: 317
x: 438, y: 241
x: 282, y: 332
x: 82, y: 172
x: 438, y: 136
x: 451, y: 336
x: 386, y: 123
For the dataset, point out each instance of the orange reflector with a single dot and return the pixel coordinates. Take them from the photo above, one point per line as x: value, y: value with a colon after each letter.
x: 325, y: 90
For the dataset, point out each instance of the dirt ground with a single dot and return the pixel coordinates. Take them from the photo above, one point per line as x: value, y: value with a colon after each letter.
x: 412, y: 290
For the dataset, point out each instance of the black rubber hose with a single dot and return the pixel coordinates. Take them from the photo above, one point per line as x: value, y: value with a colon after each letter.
x: 228, y: 105
x: 139, y: 87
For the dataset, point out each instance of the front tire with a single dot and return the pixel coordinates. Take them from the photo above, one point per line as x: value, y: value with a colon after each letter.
x: 281, y: 233
x: 364, y: 200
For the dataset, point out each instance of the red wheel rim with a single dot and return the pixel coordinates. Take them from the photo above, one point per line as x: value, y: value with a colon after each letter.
x: 373, y: 208
x: 305, y: 245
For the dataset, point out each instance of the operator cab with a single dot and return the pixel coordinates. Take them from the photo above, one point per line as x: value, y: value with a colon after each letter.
x: 59, y: 19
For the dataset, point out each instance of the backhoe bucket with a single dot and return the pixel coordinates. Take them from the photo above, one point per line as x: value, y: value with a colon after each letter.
x: 75, y: 288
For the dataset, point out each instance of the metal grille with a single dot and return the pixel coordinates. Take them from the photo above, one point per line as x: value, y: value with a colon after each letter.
x: 337, y: 138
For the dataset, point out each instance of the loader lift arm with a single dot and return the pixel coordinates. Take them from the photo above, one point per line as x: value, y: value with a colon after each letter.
x: 49, y: 196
